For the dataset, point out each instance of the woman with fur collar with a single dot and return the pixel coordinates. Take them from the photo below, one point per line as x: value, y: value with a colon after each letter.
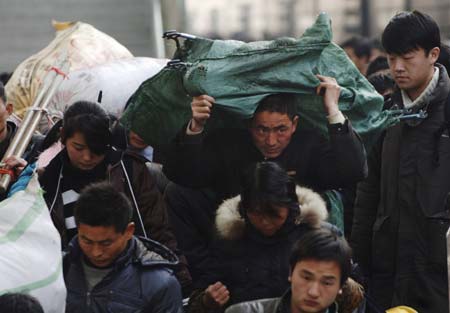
x: 255, y: 234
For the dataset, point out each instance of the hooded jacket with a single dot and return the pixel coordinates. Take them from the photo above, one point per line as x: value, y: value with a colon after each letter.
x: 141, y: 280
x: 251, y: 265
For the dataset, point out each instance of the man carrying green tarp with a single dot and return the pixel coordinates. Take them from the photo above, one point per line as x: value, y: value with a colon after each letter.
x: 217, y: 159
x: 265, y: 101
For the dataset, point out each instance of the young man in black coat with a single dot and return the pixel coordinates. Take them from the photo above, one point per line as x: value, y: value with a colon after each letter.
x: 400, y: 215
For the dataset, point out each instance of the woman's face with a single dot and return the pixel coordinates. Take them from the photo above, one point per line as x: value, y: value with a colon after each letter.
x: 266, y: 224
x: 79, y: 153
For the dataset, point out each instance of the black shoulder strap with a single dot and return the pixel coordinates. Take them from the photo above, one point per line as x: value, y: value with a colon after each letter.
x: 128, y: 162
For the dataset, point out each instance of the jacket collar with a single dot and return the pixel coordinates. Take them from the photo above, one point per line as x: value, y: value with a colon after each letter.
x: 284, y: 305
x: 231, y: 225
x: 146, y: 252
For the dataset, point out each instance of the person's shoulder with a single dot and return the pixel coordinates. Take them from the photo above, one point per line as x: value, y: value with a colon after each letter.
x: 158, y: 279
x: 133, y: 156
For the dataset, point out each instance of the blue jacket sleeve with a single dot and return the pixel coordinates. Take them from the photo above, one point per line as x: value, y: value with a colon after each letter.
x: 23, y: 179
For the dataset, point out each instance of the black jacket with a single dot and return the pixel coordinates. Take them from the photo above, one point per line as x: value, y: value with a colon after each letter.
x: 141, y: 281
x: 251, y: 265
x: 400, y: 215
x: 219, y: 158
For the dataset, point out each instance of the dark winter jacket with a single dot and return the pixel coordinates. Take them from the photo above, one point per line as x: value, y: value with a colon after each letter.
x: 401, y: 216
x: 251, y: 265
x: 128, y: 174
x: 218, y: 159
x: 272, y: 305
x: 141, y: 280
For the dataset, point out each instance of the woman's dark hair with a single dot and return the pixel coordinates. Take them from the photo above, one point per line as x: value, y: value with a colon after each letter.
x: 91, y: 120
x: 408, y: 31
x: 323, y: 244
x: 19, y: 303
x: 266, y: 188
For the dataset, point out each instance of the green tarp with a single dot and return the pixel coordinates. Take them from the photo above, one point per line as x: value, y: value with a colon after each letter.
x: 238, y: 75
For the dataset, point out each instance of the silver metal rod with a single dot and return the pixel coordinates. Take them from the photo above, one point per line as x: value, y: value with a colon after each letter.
x: 32, y: 118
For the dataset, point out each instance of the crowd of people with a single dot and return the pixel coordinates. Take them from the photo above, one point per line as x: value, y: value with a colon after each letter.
x: 232, y: 220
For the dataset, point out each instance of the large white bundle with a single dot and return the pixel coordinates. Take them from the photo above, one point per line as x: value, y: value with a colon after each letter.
x: 30, y: 245
x: 83, y: 45
x: 117, y: 81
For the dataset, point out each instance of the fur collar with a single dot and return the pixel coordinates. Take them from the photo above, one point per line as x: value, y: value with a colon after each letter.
x: 230, y: 225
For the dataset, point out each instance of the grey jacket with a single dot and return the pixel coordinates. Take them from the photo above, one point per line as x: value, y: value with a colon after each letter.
x: 273, y: 305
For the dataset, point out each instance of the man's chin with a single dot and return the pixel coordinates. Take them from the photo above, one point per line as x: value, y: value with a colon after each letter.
x: 271, y: 154
x: 101, y: 264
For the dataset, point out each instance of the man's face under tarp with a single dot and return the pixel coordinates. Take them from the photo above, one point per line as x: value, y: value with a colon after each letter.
x: 272, y: 132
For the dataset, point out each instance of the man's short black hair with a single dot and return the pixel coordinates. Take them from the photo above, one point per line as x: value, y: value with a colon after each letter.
x: 362, y: 46
x: 100, y: 204
x: 284, y: 103
x: 92, y: 121
x: 323, y: 244
x: 2, y: 93
x: 408, y: 31
x: 19, y: 303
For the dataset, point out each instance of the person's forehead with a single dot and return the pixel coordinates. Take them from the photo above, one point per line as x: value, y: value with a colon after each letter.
x: 320, y: 268
x: 414, y: 51
x: 98, y: 233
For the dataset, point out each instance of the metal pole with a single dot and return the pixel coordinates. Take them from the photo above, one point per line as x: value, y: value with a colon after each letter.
x: 408, y: 5
x: 156, y: 30
x: 32, y: 118
x: 365, y: 18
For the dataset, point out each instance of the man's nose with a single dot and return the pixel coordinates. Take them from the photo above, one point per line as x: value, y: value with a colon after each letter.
x: 87, y: 156
x: 313, y: 290
x: 398, y: 66
x: 96, y: 251
x: 271, y: 139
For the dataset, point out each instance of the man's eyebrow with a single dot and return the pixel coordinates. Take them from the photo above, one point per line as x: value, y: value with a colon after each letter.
x: 305, y: 271
x: 85, y: 238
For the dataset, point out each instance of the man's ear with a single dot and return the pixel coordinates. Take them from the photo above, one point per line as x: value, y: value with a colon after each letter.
x: 290, y: 274
x: 129, y: 231
x: 9, y: 108
x: 295, y: 121
x: 434, y: 54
